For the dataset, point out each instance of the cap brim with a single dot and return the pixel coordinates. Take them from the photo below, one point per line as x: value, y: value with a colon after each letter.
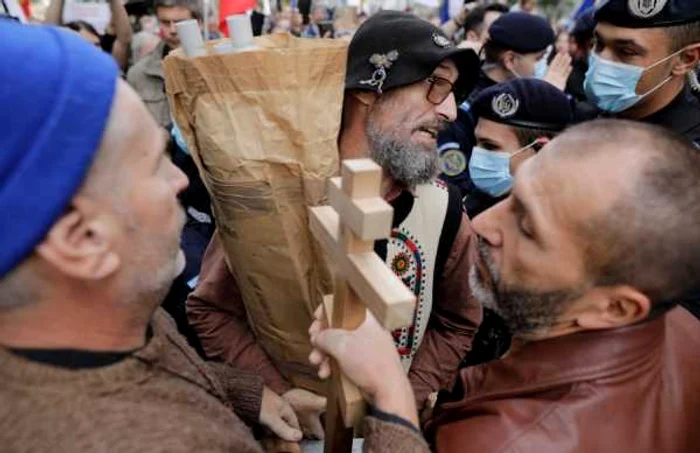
x: 468, y: 65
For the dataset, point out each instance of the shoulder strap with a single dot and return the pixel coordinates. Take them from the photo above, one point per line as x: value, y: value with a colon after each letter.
x: 453, y: 220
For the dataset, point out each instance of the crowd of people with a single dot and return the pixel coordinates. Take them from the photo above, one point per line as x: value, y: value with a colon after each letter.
x: 550, y: 176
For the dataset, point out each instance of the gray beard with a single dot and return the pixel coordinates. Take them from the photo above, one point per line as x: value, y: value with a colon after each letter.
x: 406, y: 162
x: 525, y: 312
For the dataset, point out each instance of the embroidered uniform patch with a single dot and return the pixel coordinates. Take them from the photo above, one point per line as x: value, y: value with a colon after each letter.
x: 644, y: 9
x: 453, y: 162
x: 505, y: 105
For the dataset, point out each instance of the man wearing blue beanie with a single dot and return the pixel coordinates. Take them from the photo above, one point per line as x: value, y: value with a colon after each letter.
x: 90, y: 245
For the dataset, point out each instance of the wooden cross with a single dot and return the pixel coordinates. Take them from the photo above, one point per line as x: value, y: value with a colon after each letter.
x: 347, y: 229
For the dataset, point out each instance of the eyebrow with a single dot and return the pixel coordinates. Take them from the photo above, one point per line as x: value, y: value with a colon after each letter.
x: 619, y: 42
x: 446, y: 73
x: 488, y: 141
x: 521, y: 208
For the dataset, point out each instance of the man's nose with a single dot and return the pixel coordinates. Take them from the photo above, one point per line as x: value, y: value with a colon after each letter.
x: 488, y: 224
x: 448, y: 108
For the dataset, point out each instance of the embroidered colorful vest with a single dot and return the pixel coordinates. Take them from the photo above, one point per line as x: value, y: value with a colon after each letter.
x: 417, y: 251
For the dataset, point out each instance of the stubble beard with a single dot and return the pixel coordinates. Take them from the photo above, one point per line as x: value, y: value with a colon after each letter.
x: 526, y: 312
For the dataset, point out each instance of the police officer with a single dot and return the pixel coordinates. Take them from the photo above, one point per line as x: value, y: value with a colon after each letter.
x: 643, y: 51
x: 514, y: 120
x: 515, y: 49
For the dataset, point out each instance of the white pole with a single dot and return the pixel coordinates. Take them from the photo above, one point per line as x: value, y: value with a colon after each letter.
x: 205, y: 28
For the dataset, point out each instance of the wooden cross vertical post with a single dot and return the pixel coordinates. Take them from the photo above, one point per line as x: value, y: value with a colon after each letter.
x: 346, y: 230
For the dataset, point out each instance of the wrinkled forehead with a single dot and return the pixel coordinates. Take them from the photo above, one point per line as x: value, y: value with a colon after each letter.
x: 567, y: 189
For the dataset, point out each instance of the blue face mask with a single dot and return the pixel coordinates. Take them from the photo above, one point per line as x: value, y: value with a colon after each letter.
x: 490, y: 170
x: 541, y: 68
x: 176, y: 133
x: 612, y: 85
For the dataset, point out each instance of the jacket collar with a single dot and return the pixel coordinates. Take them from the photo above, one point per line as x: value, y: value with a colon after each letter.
x: 675, y: 115
x: 563, y: 360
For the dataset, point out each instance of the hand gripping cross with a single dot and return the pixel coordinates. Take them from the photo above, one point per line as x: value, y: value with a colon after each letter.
x: 347, y: 230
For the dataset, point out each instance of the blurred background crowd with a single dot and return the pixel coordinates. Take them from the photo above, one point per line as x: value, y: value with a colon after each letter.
x: 132, y: 29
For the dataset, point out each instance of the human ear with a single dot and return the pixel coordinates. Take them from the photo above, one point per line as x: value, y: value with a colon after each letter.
x: 508, y: 60
x: 689, y: 59
x: 615, y: 306
x: 80, y: 246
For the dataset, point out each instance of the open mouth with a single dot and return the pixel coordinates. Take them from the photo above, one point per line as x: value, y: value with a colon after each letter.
x: 431, y: 131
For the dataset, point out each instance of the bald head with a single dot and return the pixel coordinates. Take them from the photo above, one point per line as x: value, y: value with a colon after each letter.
x: 647, y: 236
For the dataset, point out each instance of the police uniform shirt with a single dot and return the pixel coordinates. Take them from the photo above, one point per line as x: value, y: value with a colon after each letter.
x: 455, y: 143
x: 682, y: 115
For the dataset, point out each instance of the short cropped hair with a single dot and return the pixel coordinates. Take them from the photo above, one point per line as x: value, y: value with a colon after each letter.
x: 192, y: 5
x: 475, y: 19
x: 650, y: 238
x: 684, y: 35
x: 493, y: 51
x: 526, y: 136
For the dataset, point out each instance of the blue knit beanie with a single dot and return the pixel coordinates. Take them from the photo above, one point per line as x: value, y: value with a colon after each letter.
x: 56, y: 92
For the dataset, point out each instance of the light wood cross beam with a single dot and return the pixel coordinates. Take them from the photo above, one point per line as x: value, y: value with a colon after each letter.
x: 346, y: 230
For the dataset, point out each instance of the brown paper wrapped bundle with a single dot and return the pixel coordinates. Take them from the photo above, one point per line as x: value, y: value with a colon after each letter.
x: 262, y: 127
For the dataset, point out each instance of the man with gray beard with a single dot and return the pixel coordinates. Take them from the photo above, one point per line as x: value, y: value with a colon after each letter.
x: 403, y: 84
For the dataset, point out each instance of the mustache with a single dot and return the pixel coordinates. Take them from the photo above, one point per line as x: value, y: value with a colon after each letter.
x: 438, y: 125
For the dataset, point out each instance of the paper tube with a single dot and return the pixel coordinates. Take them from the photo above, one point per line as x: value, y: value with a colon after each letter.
x: 241, y: 31
x: 191, y: 38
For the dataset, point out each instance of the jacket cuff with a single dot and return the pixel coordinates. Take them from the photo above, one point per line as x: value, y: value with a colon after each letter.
x: 387, y: 436
x: 243, y: 389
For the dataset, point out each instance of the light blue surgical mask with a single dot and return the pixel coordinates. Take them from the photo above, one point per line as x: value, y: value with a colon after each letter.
x: 488, y: 66
x: 490, y: 170
x: 612, y: 86
x: 176, y: 133
x: 541, y: 68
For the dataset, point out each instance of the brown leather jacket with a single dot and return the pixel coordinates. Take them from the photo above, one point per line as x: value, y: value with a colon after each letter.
x: 635, y: 389
x: 217, y: 313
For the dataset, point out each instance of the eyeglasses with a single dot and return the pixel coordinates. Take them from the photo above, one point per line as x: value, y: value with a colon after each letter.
x: 439, y: 90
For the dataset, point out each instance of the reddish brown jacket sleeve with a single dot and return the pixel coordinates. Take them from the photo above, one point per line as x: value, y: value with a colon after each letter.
x: 454, y: 320
x: 386, y: 437
x: 217, y: 313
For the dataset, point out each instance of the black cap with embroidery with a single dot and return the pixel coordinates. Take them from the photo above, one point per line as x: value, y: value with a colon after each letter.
x: 648, y: 13
x: 394, y: 49
x: 521, y: 32
x: 528, y: 103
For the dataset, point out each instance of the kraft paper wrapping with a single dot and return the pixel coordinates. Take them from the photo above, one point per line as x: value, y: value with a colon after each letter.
x: 262, y: 127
